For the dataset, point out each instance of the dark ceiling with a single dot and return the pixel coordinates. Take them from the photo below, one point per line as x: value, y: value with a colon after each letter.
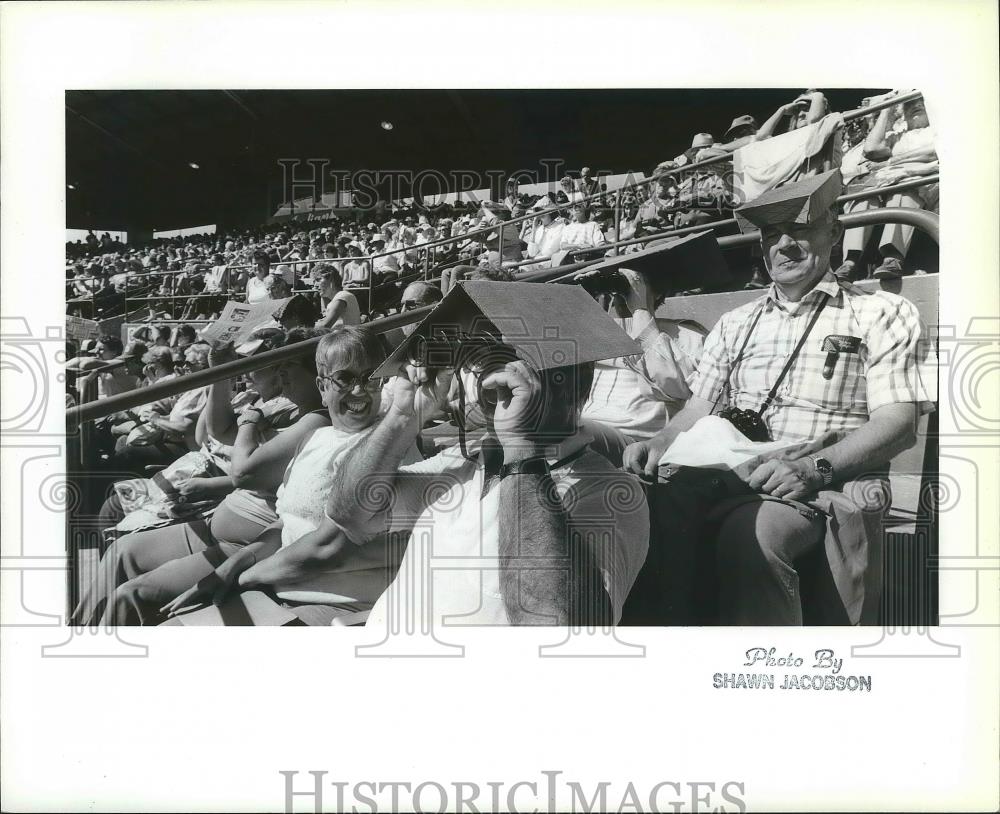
x: 128, y: 152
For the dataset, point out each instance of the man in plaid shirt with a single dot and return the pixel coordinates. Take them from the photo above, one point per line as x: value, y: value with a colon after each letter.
x: 859, y: 406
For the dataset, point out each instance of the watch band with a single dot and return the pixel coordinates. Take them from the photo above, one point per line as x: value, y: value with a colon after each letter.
x: 527, y: 466
x: 823, y: 467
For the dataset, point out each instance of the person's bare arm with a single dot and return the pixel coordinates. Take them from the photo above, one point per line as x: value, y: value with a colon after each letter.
x: 766, y: 130
x: 890, y: 430
x: 322, y: 548
x: 334, y: 311
x: 218, y: 415
x: 262, y: 466
x: 876, y: 146
x: 372, y: 466
x: 817, y: 107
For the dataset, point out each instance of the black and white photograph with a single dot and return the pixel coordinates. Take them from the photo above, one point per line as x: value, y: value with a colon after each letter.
x: 408, y: 329
x: 689, y: 388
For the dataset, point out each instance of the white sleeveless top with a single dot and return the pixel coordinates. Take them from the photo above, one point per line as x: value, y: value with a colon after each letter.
x: 357, y: 579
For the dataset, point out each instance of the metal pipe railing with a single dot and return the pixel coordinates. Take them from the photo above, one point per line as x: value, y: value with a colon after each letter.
x: 229, y: 370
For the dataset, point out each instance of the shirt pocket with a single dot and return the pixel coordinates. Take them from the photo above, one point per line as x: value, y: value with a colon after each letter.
x: 844, y: 390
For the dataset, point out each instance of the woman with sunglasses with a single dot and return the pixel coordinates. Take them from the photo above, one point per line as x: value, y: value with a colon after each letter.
x: 141, y: 571
x: 304, y: 561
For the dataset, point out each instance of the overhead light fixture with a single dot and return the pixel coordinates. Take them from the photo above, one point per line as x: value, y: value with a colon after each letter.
x: 193, y: 166
x: 387, y: 125
x: 70, y: 186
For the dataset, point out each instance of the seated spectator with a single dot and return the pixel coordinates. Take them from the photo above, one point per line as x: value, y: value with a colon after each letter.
x: 742, y: 131
x: 824, y: 484
x: 910, y: 154
x: 186, y: 335
x: 699, y: 142
x: 298, y: 312
x: 634, y: 397
x: 582, y: 233
x: 305, y: 560
x: 417, y: 295
x: 277, y: 288
x: 546, y: 236
x: 341, y: 307
x: 143, y: 571
x: 160, y: 440
x: 505, y: 239
x: 568, y: 188
x: 120, y: 378
x: 256, y: 286
x: 535, y: 445
x: 385, y: 266
x: 357, y: 273
x: 808, y: 108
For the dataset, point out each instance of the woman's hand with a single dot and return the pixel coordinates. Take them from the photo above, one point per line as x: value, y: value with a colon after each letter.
x: 210, y: 590
x: 192, y: 490
x: 220, y: 353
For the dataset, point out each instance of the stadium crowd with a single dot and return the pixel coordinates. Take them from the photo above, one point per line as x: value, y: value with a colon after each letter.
x: 254, y: 489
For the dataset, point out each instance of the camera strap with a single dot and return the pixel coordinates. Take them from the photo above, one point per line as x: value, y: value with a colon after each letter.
x: 788, y: 364
x: 791, y: 359
x: 736, y: 362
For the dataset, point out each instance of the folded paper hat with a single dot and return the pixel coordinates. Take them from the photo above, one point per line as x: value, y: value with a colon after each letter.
x: 803, y: 201
x: 547, y: 326
x: 672, y: 264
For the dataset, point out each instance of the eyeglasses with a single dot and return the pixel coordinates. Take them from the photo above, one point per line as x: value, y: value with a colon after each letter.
x: 343, y: 381
x: 408, y: 305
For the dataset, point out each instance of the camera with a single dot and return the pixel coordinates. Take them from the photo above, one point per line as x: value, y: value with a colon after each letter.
x: 747, y: 422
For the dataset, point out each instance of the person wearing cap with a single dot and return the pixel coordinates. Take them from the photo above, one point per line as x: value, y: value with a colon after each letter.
x: 742, y: 131
x: 851, y: 411
x: 341, y: 307
x: 546, y: 236
x: 298, y: 312
x: 699, y: 142
x: 807, y: 108
x: 254, y: 442
x: 505, y: 239
x: 504, y: 503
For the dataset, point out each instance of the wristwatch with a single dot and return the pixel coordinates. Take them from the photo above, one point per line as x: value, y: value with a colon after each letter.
x: 527, y: 466
x: 824, y: 468
x: 250, y: 415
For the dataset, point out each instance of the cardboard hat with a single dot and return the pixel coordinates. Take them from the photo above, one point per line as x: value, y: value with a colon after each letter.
x: 702, y: 140
x: 547, y: 326
x: 670, y: 264
x: 542, y: 203
x: 803, y: 201
x: 741, y: 121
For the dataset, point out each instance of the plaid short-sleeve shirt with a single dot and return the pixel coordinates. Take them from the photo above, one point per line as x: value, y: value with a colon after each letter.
x: 893, y: 363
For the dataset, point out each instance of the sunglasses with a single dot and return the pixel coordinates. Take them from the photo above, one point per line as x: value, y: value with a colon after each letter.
x: 344, y: 381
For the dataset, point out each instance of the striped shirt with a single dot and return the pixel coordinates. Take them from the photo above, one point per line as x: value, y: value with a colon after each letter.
x: 894, y: 362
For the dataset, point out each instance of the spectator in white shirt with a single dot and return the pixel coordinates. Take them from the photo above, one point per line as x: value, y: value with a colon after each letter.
x: 546, y: 237
x: 341, y: 306
x: 257, y: 284
x: 582, y: 233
